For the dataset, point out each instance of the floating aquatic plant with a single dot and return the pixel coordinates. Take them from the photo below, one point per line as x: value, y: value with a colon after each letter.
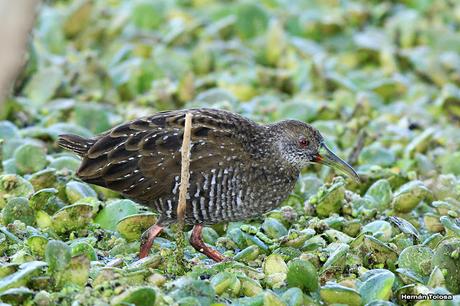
x: 380, y: 81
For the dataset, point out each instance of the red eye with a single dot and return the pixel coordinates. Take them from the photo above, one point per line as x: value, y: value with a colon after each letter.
x: 303, y: 142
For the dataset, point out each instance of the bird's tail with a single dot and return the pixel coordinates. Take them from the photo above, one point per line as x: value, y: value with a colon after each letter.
x: 75, y: 143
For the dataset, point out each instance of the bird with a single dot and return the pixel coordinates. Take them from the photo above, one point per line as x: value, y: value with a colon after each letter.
x: 239, y: 169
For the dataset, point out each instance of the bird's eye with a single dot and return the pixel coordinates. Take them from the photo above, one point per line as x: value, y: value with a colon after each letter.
x: 303, y: 142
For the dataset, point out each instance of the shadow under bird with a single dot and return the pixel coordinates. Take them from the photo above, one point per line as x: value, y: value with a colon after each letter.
x: 238, y: 169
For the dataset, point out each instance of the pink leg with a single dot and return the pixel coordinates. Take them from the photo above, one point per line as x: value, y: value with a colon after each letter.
x: 147, y: 239
x: 197, y: 242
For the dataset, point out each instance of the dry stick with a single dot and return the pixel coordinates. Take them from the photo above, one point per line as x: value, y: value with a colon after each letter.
x: 184, y: 183
x: 357, y: 148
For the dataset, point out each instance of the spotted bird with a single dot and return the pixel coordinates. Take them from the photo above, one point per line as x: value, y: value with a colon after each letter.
x: 239, y: 169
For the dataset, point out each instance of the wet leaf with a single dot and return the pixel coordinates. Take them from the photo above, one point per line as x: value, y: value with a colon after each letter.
x: 110, y: 215
x: 132, y: 226
x: 22, y: 276
x: 302, y: 274
x: 408, y: 196
x: 377, y: 155
x: 72, y: 217
x: 139, y: 296
x: 337, y: 294
x: 44, y: 84
x: 447, y: 259
x: 18, y: 209
x: 328, y: 200
x: 380, y: 193
x: 273, y: 228
x: 376, y: 285
x: 379, y: 229
x: 8, y: 130
x: 417, y: 259
x: 76, y: 191
x: 12, y: 185
x: 251, y: 20
x: 57, y: 255
x: 227, y: 283
x: 37, y: 244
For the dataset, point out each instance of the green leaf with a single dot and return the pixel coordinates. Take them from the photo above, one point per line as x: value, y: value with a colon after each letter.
x: 110, y: 215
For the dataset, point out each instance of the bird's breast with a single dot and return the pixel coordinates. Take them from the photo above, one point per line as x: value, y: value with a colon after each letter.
x: 227, y: 194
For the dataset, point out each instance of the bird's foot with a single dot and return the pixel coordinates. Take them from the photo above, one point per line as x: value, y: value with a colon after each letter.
x: 147, y: 239
x: 197, y: 242
x: 213, y: 254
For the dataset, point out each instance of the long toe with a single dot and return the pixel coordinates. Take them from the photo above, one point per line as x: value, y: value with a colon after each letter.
x: 197, y: 242
x: 147, y: 239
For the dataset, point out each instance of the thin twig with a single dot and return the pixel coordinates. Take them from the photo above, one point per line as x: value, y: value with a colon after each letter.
x: 183, y: 188
x: 357, y: 148
x: 185, y: 174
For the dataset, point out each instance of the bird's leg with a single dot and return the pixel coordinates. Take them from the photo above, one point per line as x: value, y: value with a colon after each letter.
x: 197, y: 242
x: 147, y: 239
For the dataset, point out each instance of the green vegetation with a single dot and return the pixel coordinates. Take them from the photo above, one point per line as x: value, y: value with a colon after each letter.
x: 380, y: 79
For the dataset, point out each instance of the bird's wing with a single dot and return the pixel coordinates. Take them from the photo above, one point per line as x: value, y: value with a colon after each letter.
x: 142, y: 158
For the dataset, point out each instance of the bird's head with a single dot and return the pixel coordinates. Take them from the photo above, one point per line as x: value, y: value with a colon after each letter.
x: 301, y: 144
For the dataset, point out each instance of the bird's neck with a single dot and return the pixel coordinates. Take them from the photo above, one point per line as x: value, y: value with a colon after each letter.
x: 276, y: 152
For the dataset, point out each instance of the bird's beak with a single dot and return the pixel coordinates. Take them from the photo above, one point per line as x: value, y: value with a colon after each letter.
x: 326, y: 157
